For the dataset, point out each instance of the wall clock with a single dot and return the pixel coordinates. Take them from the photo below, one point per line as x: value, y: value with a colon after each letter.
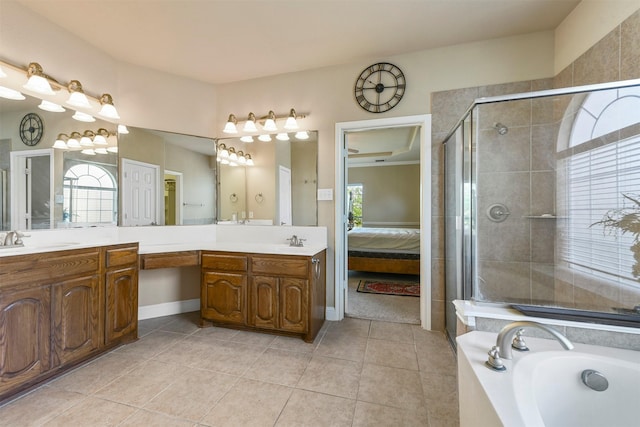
x: 31, y: 129
x: 380, y: 87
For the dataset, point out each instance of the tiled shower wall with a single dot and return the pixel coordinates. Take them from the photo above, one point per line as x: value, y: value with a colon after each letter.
x: 531, y: 139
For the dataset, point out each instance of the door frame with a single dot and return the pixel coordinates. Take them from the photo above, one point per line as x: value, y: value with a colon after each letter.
x: 179, y: 205
x: 341, y: 281
x: 16, y: 180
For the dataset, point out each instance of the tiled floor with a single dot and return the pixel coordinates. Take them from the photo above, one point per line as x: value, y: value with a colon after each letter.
x: 356, y: 373
x: 392, y: 308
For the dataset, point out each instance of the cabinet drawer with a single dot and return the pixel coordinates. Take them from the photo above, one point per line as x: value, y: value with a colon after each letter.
x: 280, y: 265
x: 224, y: 262
x: 121, y: 256
x: 44, y: 267
x: 169, y: 260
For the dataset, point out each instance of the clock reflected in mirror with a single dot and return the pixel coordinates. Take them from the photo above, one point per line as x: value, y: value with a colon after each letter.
x: 380, y: 87
x: 31, y: 129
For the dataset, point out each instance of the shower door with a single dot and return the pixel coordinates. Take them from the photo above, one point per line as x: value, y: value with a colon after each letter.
x: 458, y: 237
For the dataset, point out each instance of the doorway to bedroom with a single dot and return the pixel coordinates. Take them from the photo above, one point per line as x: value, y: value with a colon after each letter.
x: 381, y: 191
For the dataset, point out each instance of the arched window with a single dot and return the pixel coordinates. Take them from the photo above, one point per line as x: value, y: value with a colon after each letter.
x: 89, y: 194
x: 603, y: 167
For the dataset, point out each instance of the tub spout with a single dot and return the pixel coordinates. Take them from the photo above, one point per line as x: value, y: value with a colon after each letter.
x: 503, y: 342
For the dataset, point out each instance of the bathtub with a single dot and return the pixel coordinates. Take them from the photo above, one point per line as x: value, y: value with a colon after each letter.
x: 543, y: 387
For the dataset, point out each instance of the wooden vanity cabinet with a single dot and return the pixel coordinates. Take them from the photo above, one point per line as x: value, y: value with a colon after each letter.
x: 282, y: 294
x: 121, y: 293
x: 53, y: 308
x: 223, y: 295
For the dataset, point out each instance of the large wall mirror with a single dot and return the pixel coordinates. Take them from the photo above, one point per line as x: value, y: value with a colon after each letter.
x: 166, y: 178
x: 146, y: 177
x: 42, y: 187
x: 280, y: 186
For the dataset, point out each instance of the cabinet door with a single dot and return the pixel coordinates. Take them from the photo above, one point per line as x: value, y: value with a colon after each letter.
x: 121, y: 314
x: 263, y: 297
x: 25, y: 332
x: 76, y: 326
x: 223, y: 297
x: 294, y: 304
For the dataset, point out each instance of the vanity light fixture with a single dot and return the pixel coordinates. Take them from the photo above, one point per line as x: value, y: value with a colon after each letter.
x: 291, y: 123
x: 37, y: 81
x: 12, y: 94
x: 108, y: 109
x: 224, y: 161
x: 246, y: 138
x: 86, y: 140
x: 101, y: 150
x: 249, y: 159
x: 223, y: 153
x: 302, y: 135
x: 230, y: 127
x: 50, y: 106
x: 72, y: 142
x: 112, y: 149
x: 60, y: 144
x: 40, y: 83
x: 88, y: 151
x: 77, y: 98
x: 282, y: 136
x: 122, y: 129
x: 101, y: 136
x: 270, y: 122
x: 242, y: 160
x: 250, y: 124
x: 83, y: 117
x: 233, y: 157
x: 264, y: 137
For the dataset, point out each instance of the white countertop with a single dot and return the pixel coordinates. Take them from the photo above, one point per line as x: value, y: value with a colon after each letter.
x: 237, y: 238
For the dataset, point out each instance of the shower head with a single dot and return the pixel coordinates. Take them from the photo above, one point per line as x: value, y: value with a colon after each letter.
x: 500, y: 128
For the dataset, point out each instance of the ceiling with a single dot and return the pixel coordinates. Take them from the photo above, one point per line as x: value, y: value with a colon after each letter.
x: 221, y: 41
x: 387, y: 145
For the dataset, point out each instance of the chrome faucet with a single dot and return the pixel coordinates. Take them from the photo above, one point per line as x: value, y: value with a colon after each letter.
x: 506, y: 342
x: 295, y: 241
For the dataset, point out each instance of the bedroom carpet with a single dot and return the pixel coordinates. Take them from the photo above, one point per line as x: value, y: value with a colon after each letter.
x: 389, y: 308
x: 384, y: 287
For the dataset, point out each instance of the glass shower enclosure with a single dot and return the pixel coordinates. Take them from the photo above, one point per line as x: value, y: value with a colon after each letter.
x: 542, y: 201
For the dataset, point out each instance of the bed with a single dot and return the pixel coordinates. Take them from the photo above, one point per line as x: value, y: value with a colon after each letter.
x: 384, y: 250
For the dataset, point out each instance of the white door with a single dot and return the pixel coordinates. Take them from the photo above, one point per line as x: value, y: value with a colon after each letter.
x: 139, y: 193
x: 284, y: 195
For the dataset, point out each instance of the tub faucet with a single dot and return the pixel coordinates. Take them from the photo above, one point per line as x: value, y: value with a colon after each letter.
x: 504, y: 345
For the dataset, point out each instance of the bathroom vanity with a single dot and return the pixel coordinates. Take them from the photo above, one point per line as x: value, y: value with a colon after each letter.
x: 61, y: 307
x: 282, y: 294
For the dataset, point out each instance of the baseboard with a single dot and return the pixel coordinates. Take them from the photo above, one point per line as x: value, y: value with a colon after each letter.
x: 168, y: 308
x: 331, y: 314
x: 177, y: 307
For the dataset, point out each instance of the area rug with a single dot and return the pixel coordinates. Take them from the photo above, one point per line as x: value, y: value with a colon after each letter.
x: 389, y: 288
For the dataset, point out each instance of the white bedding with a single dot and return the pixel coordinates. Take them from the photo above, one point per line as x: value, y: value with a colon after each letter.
x: 389, y: 240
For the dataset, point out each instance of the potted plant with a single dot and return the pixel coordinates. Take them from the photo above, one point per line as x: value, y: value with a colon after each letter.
x: 627, y: 220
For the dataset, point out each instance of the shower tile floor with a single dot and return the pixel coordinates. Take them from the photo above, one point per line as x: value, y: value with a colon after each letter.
x: 357, y: 373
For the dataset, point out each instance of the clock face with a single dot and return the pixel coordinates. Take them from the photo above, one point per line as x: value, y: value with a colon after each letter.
x: 380, y: 87
x: 31, y: 129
